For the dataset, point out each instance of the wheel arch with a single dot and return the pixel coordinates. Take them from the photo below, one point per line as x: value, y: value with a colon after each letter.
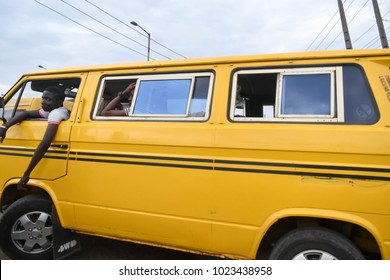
x: 65, y: 242
x: 10, y: 193
x: 359, y: 231
x: 28, y: 221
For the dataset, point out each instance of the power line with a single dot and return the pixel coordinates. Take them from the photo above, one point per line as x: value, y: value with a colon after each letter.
x: 323, y: 29
x: 349, y: 21
x: 319, y: 34
x: 116, y: 31
x: 124, y: 23
x: 326, y: 36
x: 333, y: 26
x: 340, y: 31
x: 370, y: 43
x: 375, y: 40
x: 358, y: 12
x: 371, y: 27
x: 104, y: 36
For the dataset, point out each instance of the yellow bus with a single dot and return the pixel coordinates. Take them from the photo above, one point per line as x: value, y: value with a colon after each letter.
x: 279, y: 156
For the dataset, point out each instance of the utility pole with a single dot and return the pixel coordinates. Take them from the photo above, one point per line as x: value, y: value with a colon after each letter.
x: 347, y: 39
x: 379, y: 22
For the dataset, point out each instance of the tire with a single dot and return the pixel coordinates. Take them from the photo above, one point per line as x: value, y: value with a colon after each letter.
x: 26, y: 229
x: 315, y: 244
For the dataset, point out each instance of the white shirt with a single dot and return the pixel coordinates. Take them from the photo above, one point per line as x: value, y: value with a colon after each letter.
x: 126, y: 108
x: 56, y: 116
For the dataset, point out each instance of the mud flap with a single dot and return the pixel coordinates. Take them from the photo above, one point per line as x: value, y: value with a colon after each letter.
x: 65, y: 242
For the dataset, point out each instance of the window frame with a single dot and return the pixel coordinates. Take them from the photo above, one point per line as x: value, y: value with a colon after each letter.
x: 24, y: 90
x: 158, y: 77
x: 336, y: 95
x: 190, y: 95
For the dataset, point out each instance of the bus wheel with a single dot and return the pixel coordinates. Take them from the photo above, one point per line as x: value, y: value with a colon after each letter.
x: 26, y: 229
x: 315, y: 244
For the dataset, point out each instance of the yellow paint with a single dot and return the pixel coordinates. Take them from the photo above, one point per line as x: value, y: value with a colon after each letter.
x: 213, y: 186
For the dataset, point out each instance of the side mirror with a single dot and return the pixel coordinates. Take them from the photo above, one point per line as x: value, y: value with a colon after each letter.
x: 2, y: 110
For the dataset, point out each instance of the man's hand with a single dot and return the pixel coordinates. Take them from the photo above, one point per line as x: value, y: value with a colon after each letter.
x: 22, y: 183
x: 129, y: 88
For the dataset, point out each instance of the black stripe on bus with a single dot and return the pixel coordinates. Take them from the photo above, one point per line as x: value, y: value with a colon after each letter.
x: 310, y: 166
x: 301, y: 173
x: 144, y: 163
x: 145, y: 157
x: 29, y: 152
x: 75, y: 156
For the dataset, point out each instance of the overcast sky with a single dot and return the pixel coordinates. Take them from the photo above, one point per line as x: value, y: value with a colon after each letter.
x: 99, y: 31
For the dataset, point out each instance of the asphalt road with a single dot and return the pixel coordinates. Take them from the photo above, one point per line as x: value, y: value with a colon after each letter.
x: 97, y: 248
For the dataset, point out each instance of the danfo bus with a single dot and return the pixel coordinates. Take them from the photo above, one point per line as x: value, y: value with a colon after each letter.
x: 280, y: 156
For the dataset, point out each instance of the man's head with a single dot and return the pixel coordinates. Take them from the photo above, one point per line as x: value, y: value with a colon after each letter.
x: 52, y: 98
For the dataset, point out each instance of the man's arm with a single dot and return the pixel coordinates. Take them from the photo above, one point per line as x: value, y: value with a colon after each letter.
x: 17, y: 119
x: 109, y: 110
x: 39, y: 153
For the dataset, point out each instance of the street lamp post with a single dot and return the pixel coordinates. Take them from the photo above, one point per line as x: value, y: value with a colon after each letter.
x: 136, y: 24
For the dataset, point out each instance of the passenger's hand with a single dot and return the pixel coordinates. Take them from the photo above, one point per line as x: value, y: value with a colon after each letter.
x: 22, y: 183
x: 130, y: 88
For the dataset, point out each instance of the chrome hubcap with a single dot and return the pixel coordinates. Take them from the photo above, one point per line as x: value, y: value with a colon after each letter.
x: 314, y: 255
x: 33, y: 233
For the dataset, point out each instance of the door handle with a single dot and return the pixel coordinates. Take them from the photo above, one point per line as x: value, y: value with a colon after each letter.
x: 60, y: 146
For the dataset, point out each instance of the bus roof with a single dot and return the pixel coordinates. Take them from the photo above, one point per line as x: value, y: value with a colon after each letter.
x: 224, y: 60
